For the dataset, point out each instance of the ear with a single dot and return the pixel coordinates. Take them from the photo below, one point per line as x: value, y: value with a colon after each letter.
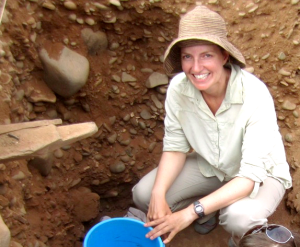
x: 225, y: 56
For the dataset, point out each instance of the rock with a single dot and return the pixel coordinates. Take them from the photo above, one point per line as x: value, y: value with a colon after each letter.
x: 95, y: 41
x: 116, y: 78
x: 48, y: 5
x: 156, y: 79
x: 58, y: 153
x: 287, y: 105
x: 4, y: 234
x: 19, y: 175
x: 65, y: 71
x: 117, y: 167
x: 157, y: 103
x: 127, y: 78
x: 43, y: 163
x: 151, y: 147
x: 145, y: 114
x: 146, y: 70
x: 22, y: 141
x: 38, y: 91
x: 70, y: 5
x: 289, y: 137
x: 86, y: 204
x: 281, y: 56
x: 112, y: 138
x: 284, y: 72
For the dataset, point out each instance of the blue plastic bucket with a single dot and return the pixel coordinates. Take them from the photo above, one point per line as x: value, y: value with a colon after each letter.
x: 121, y: 232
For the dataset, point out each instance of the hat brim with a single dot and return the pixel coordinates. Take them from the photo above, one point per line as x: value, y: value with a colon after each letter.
x: 172, y: 60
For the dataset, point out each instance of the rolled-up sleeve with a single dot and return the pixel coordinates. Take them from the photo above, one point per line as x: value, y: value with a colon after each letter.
x: 174, y: 139
x: 260, y: 138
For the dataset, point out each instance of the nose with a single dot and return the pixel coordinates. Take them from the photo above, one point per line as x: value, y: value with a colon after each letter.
x: 197, y: 65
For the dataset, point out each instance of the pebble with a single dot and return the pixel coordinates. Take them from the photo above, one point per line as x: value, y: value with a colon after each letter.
x: 111, y: 193
x: 115, y: 89
x: 100, y: 6
x: 161, y: 39
x: 112, y: 60
x: 296, y: 114
x: 127, y: 78
x: 19, y: 175
x: 125, y: 158
x: 146, y: 70
x: 70, y: 5
x: 283, y: 83
x: 151, y: 147
x: 116, y: 78
x: 90, y: 21
x: 162, y: 89
x: 2, y: 168
x: 157, y: 103
x: 58, y: 153
x: 115, y: 3
x: 117, y: 167
x: 132, y: 131
x: 284, y: 72
x: 112, y: 120
x: 265, y: 56
x: 142, y: 124
x: 49, y: 6
x: 289, y: 137
x: 281, y: 56
x: 80, y: 20
x: 254, y: 8
x: 145, y: 114
x: 126, y: 118
x: 19, y: 95
x: 287, y: 105
x: 290, y: 81
x: 156, y: 79
x: 112, y: 139
x: 114, y: 46
x: 72, y: 17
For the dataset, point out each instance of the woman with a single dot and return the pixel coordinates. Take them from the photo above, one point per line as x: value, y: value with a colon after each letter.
x: 270, y: 236
x: 222, y: 147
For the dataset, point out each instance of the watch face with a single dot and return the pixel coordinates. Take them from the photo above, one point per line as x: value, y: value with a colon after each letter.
x: 199, y: 209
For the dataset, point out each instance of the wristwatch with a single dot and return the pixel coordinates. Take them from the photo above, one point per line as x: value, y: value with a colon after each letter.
x: 199, y: 210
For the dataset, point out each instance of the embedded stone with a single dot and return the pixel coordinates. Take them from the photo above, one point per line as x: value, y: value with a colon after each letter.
x: 117, y: 167
x: 65, y: 71
x: 156, y: 79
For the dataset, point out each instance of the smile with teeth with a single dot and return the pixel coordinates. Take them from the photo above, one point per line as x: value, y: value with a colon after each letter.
x: 203, y: 76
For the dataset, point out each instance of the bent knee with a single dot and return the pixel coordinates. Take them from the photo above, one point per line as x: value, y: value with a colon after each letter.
x: 237, y: 220
x: 141, y: 198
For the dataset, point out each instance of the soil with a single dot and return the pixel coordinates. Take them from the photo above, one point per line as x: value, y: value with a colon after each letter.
x: 86, y: 181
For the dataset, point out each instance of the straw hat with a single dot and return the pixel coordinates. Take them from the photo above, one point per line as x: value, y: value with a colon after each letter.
x: 200, y: 24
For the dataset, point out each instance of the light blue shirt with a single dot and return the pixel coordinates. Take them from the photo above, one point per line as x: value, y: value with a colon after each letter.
x: 241, y: 140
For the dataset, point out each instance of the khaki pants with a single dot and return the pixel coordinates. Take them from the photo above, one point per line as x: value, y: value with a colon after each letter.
x: 191, y: 185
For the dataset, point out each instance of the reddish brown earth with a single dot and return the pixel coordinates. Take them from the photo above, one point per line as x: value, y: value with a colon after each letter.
x: 58, y: 209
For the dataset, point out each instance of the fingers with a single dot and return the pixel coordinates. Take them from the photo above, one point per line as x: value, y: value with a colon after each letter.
x: 162, y: 228
x: 169, y: 237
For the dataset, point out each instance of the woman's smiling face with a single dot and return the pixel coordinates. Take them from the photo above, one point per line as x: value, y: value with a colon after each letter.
x: 204, y: 66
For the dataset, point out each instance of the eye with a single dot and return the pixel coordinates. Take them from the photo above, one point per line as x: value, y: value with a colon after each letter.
x: 207, y: 55
x: 186, y: 56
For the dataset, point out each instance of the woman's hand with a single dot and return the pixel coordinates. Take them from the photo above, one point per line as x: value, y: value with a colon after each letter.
x: 158, y: 208
x: 170, y: 224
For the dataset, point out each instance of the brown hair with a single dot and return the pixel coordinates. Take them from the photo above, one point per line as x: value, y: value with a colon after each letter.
x: 262, y: 240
